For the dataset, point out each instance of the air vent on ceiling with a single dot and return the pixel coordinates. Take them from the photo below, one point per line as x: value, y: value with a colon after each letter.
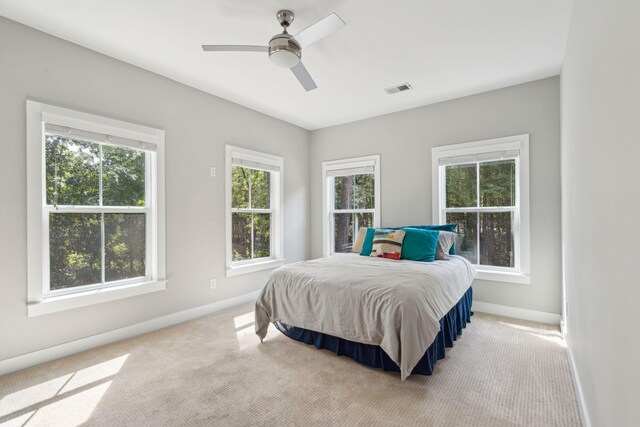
x: 399, y: 88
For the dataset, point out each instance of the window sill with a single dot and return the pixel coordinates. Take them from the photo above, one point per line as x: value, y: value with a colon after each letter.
x: 501, y: 276
x: 253, y: 267
x: 82, y: 299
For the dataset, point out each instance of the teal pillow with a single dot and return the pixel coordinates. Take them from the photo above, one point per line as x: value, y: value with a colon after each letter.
x: 419, y: 245
x: 444, y: 227
x: 367, y: 245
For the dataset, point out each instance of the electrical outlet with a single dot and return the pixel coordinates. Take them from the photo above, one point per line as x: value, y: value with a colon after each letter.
x: 213, y: 171
x: 212, y: 284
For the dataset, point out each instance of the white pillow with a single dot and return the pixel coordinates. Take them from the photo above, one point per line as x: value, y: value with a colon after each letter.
x: 357, y: 243
x: 446, y: 239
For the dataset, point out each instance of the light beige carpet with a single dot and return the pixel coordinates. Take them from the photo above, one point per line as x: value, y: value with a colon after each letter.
x: 214, y: 371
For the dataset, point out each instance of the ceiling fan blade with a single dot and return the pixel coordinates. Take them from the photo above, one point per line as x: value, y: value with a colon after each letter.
x: 233, y: 48
x: 304, y: 77
x: 320, y: 29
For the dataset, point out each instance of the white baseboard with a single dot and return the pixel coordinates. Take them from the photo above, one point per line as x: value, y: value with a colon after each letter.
x: 51, y: 353
x: 582, y: 404
x: 518, y: 313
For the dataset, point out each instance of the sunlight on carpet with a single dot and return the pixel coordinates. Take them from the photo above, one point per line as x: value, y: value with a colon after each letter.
x: 215, y: 371
x: 66, y: 400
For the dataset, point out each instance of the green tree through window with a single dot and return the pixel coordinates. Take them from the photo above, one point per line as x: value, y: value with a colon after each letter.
x: 88, y: 246
x: 353, y: 207
x: 481, y: 199
x: 251, y: 213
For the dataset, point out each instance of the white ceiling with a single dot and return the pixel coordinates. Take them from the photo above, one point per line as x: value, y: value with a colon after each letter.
x: 445, y: 49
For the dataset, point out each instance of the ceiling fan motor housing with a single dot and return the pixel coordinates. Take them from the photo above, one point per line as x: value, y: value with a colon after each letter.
x: 285, y: 17
x: 284, y: 50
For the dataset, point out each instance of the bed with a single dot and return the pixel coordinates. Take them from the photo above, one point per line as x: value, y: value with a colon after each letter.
x: 394, y: 314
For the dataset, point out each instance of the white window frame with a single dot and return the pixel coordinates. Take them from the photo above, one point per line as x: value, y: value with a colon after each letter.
x: 521, y: 273
x: 41, y: 300
x: 328, y: 207
x: 275, y: 165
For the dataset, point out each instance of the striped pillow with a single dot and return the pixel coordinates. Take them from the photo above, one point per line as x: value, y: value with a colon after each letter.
x: 387, y: 243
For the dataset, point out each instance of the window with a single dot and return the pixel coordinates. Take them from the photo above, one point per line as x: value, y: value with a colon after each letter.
x: 95, y: 189
x: 254, y: 210
x: 484, y: 188
x: 351, y: 191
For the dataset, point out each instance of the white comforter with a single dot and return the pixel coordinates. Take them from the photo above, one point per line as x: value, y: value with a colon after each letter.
x: 394, y: 304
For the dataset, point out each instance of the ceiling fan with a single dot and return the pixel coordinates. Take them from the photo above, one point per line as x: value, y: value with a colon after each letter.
x: 284, y: 49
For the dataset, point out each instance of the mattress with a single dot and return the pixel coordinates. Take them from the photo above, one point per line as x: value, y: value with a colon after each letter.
x: 396, y: 305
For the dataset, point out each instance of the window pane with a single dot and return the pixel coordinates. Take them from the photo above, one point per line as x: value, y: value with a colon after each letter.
x: 461, y: 186
x: 241, y: 236
x: 239, y: 187
x: 75, y: 253
x: 343, y: 189
x: 343, y: 232
x: 498, y: 183
x: 73, y: 171
x: 124, y: 246
x: 260, y: 189
x: 354, y: 192
x: 262, y: 235
x: 466, y: 244
x: 122, y: 176
x: 364, y: 194
x: 496, y: 239
x: 362, y: 220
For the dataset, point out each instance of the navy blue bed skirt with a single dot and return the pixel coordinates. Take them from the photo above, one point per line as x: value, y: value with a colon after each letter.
x: 451, y: 326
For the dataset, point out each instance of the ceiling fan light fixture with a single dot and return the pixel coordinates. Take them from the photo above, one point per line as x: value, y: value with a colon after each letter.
x: 284, y: 58
x: 284, y: 51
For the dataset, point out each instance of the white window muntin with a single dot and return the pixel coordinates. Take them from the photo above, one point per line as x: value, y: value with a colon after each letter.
x: 346, y: 167
x: 43, y: 119
x: 249, y: 210
x: 100, y: 209
x: 515, y: 147
x: 515, y: 210
x: 236, y: 156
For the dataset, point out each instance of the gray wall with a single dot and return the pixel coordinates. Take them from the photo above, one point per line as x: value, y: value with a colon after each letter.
x: 37, y: 66
x: 600, y: 205
x: 404, y: 141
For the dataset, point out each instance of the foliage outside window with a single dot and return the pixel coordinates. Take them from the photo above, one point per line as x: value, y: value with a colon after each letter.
x: 95, y: 200
x: 353, y: 207
x: 251, y: 213
x: 254, y: 206
x: 351, y: 200
x: 481, y: 199
x: 483, y: 187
